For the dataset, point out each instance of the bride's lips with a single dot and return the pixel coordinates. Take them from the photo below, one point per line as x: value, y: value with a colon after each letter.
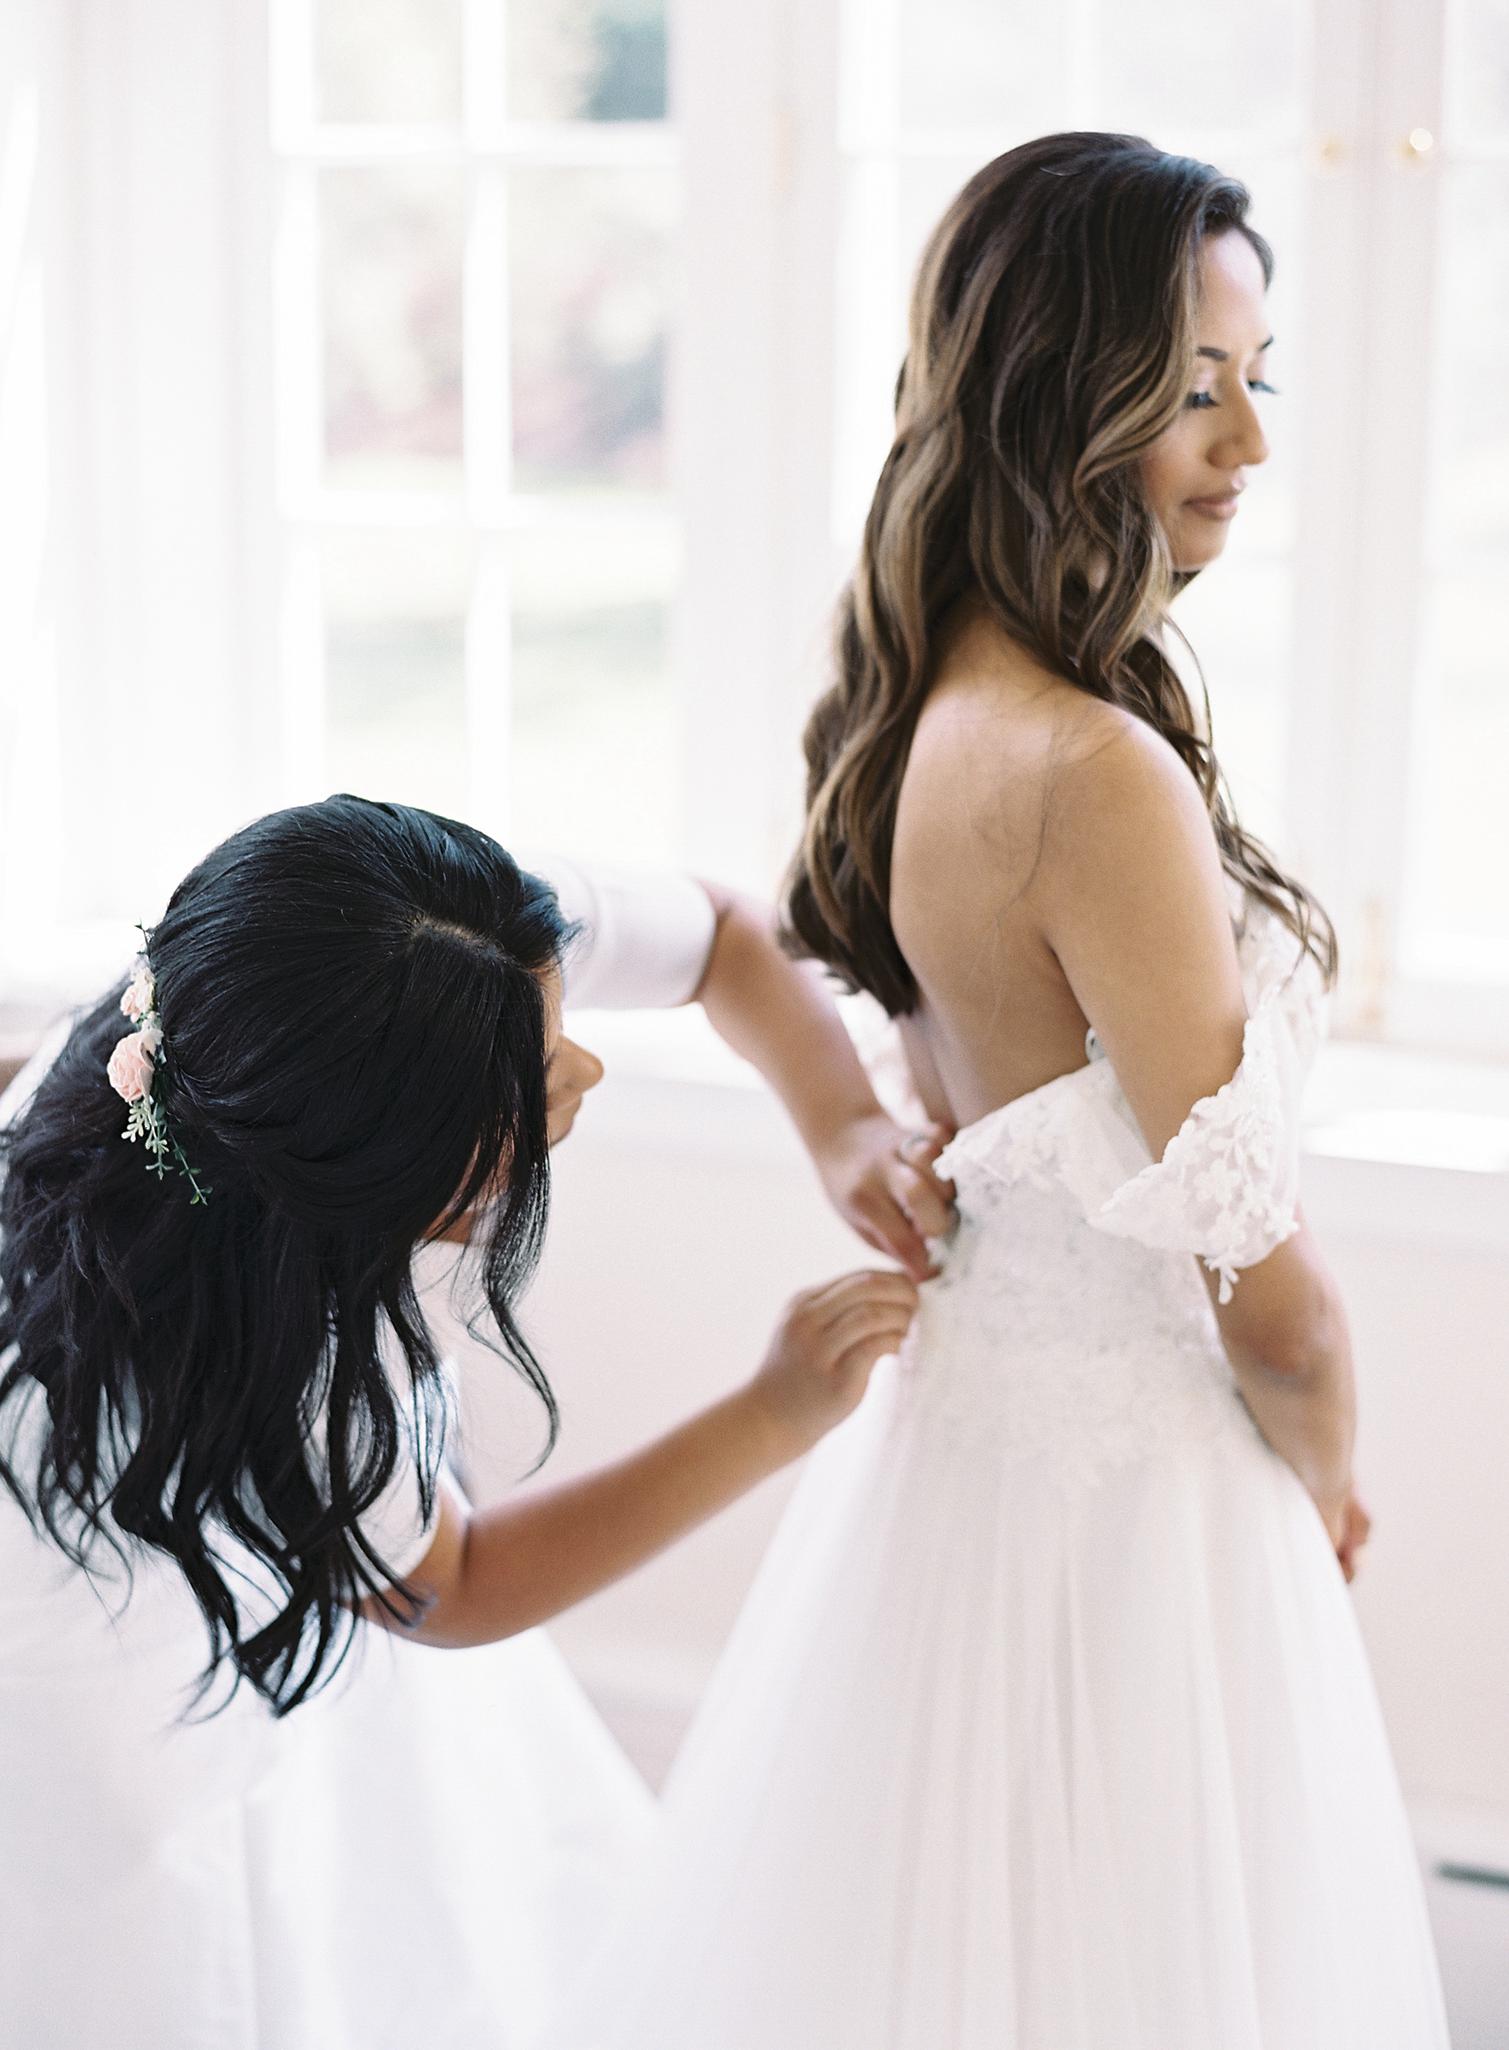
x: 1222, y: 508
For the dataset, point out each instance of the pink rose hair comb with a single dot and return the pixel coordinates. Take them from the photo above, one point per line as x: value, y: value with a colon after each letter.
x: 133, y: 1072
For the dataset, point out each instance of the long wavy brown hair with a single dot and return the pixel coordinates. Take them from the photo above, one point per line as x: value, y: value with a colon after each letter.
x: 1052, y: 331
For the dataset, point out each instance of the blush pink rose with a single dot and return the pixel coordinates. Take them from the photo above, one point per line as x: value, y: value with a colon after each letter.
x: 140, y: 997
x: 130, y: 1066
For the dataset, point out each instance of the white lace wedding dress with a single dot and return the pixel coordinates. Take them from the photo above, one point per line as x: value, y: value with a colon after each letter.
x: 1047, y: 1725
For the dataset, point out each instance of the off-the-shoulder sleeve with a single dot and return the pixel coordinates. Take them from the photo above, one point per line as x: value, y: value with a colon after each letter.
x: 1227, y: 1185
x: 645, y: 938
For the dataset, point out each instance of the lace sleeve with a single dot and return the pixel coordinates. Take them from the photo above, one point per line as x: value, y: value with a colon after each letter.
x: 1227, y: 1185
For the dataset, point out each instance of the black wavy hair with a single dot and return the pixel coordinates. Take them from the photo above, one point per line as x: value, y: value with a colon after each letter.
x: 354, y: 1053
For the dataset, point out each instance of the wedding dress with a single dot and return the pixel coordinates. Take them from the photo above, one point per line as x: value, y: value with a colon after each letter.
x: 1047, y: 1724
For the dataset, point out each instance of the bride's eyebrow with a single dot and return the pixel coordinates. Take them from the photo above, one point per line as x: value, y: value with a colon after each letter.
x: 1224, y: 355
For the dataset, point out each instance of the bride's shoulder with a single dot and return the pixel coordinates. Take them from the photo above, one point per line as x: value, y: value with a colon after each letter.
x: 996, y: 702
x: 1107, y: 743
x: 995, y: 714
x: 1116, y: 780
x: 1127, y: 839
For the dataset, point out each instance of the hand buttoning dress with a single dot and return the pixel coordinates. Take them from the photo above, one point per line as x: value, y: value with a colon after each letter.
x: 1047, y: 1724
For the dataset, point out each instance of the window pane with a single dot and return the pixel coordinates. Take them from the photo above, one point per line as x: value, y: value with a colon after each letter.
x: 589, y: 295
x: 1477, y: 71
x: 1238, y: 619
x: 1166, y: 66
x: 979, y: 64
x: 389, y: 60
x: 929, y: 186
x: 395, y: 696
x: 1456, y: 920
x: 594, y: 767
x: 391, y: 242
x: 1469, y: 503
x: 586, y: 60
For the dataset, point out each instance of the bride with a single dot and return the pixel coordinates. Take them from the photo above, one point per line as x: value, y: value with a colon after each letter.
x: 1048, y: 1725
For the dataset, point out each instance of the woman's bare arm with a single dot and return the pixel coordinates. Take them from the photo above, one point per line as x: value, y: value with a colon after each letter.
x: 1132, y: 899
x: 490, y: 1573
x: 778, y: 1014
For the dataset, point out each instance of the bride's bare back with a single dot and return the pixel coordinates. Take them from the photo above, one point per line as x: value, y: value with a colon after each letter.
x: 997, y: 1016
x: 1055, y: 868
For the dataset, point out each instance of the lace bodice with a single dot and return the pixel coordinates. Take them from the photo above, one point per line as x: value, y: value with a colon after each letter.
x: 1069, y: 1322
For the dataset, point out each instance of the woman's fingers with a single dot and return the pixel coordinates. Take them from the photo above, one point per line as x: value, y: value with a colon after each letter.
x: 923, y: 1194
x: 1353, y: 1531
x: 870, y: 1285
x: 858, y: 1362
x: 887, y: 1226
x: 910, y: 1205
x: 884, y: 1182
x: 920, y: 1150
x: 868, y: 1320
x: 922, y: 1201
x: 863, y: 1347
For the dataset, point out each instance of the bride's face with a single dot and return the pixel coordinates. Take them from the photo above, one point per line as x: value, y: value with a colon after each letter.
x: 1195, y: 472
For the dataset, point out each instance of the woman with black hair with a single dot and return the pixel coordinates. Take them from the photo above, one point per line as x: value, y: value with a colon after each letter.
x: 222, y: 1414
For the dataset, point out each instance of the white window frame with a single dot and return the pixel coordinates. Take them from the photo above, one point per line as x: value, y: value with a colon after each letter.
x: 487, y: 509
x: 756, y: 97
x: 1410, y: 149
x: 746, y: 88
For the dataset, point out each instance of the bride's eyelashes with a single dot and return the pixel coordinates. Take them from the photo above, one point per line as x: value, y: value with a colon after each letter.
x: 1202, y: 400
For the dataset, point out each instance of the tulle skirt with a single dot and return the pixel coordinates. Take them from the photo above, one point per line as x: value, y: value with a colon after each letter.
x: 996, y: 1764
x: 443, y: 1846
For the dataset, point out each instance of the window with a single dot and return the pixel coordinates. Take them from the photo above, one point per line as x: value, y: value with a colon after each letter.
x: 478, y: 401
x: 477, y: 259
x: 1353, y: 635
x: 1454, y: 919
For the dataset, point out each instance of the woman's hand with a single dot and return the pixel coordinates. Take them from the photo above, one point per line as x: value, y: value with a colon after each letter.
x: 1355, y: 1529
x: 492, y: 1572
x: 779, y: 1014
x: 881, y: 1180
x: 1348, y: 1525
x: 819, y: 1362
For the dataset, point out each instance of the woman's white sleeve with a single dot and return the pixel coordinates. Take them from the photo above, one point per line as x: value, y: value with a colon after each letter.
x: 645, y: 937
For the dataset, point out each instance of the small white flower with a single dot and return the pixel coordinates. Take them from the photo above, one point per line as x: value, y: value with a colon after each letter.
x: 141, y: 993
